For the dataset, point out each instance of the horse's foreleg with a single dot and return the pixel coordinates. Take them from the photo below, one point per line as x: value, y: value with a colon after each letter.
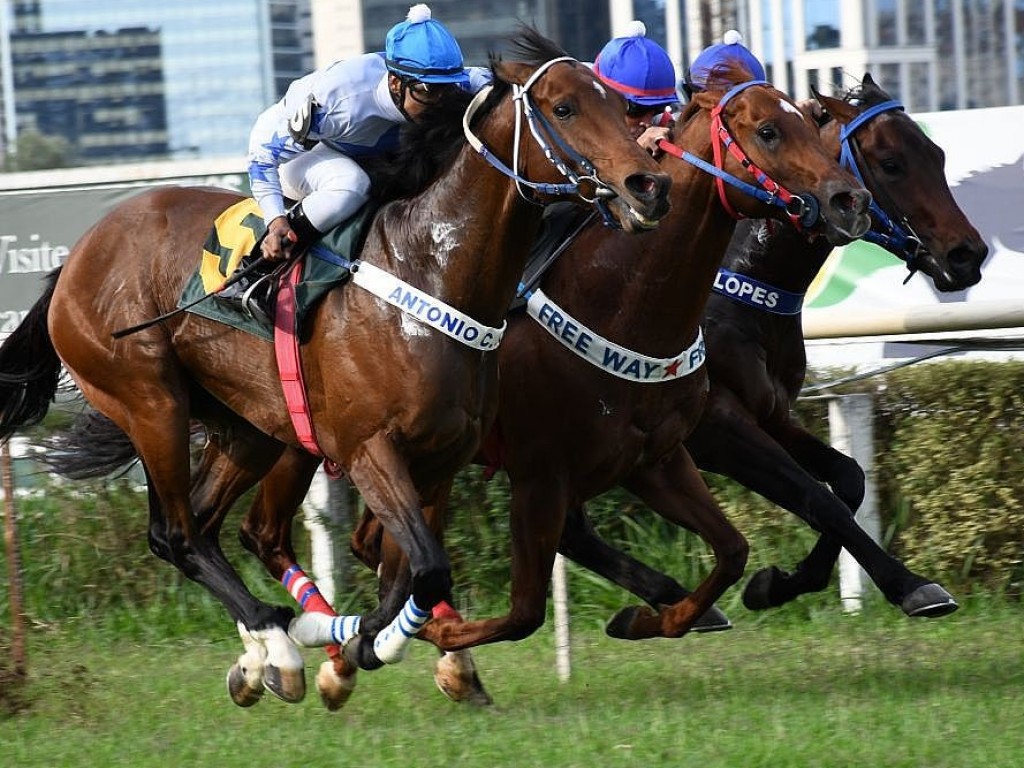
x: 266, y: 532
x: 382, y: 476
x: 536, y: 517
x: 751, y: 457
x: 674, y: 489
x: 455, y: 673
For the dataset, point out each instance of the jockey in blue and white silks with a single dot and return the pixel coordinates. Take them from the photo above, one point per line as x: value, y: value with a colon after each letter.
x: 306, y: 146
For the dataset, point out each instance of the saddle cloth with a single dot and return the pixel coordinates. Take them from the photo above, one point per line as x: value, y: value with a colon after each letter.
x: 235, y: 233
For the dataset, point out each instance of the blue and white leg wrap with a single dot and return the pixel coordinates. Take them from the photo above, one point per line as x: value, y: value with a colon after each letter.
x: 315, y: 629
x: 393, y: 641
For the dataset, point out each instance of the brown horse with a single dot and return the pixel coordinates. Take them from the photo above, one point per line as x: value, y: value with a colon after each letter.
x: 757, y: 363
x: 571, y: 430
x: 397, y: 405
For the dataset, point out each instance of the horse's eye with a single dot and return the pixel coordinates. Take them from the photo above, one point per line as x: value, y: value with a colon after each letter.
x: 563, y: 111
x: 890, y: 167
x: 768, y: 134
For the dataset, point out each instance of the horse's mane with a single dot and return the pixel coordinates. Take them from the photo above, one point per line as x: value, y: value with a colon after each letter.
x: 531, y: 47
x: 428, y: 146
x: 722, y: 77
x: 425, y: 148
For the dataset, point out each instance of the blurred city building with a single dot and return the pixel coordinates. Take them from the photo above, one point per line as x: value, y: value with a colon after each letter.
x: 123, y: 80
x: 932, y: 54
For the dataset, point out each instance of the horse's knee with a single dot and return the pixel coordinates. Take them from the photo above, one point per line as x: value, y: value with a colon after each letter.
x: 732, y: 557
x: 432, y: 585
x: 523, y: 623
x: 848, y: 483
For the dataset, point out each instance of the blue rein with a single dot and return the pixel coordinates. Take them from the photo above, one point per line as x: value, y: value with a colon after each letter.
x: 895, y: 236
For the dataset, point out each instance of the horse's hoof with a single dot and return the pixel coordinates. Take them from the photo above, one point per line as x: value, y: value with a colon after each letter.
x: 929, y: 601
x: 240, y: 689
x: 287, y: 684
x: 456, y: 677
x: 713, y: 620
x: 334, y: 688
x: 628, y: 624
x: 359, y: 652
x: 757, y: 595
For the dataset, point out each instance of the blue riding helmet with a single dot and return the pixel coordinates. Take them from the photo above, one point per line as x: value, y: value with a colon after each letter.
x: 638, y: 68
x: 730, y: 50
x: 422, y: 49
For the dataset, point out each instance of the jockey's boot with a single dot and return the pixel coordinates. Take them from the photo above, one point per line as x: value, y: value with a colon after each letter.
x: 255, y: 293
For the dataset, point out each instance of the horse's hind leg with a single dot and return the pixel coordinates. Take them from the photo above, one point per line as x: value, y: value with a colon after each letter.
x: 235, y: 457
x: 267, y: 532
x: 153, y: 410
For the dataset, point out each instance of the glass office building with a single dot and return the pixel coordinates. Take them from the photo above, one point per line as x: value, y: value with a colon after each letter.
x: 221, y: 63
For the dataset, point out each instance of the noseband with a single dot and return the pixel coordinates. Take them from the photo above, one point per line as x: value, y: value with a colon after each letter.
x: 544, y: 134
x: 802, y: 212
x: 897, y: 237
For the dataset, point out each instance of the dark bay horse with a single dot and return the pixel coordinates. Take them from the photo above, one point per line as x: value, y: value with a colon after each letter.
x: 757, y: 360
x: 399, y: 407
x: 571, y: 429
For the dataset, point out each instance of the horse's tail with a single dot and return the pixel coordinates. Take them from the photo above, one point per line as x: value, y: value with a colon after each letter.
x: 29, y: 368
x: 94, y: 446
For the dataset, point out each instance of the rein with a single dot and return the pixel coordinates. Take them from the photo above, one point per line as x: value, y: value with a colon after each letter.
x: 897, y: 237
x: 803, y: 213
x: 544, y: 134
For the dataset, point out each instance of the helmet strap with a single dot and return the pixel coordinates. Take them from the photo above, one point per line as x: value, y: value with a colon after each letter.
x: 399, y: 97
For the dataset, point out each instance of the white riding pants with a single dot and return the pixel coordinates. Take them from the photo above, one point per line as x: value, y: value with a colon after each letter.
x: 330, y: 185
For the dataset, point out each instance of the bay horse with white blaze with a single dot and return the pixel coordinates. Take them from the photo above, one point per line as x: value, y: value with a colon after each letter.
x: 399, y: 407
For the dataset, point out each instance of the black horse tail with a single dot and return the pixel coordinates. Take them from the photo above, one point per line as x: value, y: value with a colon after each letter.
x: 29, y: 368
x: 94, y: 446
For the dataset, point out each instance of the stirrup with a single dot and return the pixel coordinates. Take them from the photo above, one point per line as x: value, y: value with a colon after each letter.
x: 255, y: 300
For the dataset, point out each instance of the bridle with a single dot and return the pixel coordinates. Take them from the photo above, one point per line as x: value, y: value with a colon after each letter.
x: 896, y: 236
x: 565, y: 159
x: 803, y: 212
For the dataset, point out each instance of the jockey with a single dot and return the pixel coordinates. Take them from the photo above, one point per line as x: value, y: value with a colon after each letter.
x: 705, y: 68
x: 642, y: 72
x: 307, y: 146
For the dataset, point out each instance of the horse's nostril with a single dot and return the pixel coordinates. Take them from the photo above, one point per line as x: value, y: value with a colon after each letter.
x: 646, y: 186
x: 855, y: 202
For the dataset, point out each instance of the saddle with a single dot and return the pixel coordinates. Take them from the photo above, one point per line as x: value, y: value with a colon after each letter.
x: 237, y: 231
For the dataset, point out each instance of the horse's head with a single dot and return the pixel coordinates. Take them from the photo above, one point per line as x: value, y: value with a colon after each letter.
x: 769, y: 131
x: 918, y: 219
x: 581, y: 123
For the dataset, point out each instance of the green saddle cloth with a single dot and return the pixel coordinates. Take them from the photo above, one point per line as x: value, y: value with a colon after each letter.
x: 236, y: 232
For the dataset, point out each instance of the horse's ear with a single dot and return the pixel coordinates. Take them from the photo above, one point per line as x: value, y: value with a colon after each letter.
x: 842, y: 111
x: 513, y: 71
x: 868, y: 80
